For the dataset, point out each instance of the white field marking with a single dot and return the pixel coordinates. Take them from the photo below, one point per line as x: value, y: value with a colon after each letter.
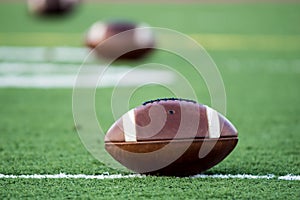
x: 49, y: 75
x: 45, y: 54
x: 72, y: 176
x: 78, y: 55
x: 129, y: 126
x: 288, y: 177
x: 238, y: 176
x: 213, y: 123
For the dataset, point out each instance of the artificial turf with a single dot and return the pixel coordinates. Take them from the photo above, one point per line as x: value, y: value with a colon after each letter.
x: 37, y: 128
x: 151, y: 188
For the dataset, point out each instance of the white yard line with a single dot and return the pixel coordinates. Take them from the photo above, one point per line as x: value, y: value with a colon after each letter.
x: 238, y: 176
x: 50, y: 75
x: 33, y: 67
x: 45, y: 54
x: 71, y: 176
x: 288, y: 177
x: 68, y: 54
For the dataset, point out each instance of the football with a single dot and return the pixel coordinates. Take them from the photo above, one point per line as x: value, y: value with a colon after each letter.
x: 51, y: 7
x: 135, y: 42
x: 171, y: 137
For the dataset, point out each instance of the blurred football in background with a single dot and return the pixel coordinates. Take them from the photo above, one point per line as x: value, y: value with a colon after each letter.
x: 51, y: 7
x: 135, y: 41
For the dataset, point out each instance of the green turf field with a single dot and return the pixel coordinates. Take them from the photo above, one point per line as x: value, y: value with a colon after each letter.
x: 257, y: 50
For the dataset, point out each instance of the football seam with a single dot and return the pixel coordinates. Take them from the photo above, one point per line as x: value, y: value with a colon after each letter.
x: 168, y: 99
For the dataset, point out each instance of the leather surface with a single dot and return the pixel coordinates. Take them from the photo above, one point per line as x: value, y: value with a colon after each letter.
x: 136, y: 156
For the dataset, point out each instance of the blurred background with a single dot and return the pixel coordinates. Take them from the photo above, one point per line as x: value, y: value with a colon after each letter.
x: 255, y: 45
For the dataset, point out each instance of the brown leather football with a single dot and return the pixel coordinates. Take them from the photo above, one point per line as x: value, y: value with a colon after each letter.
x: 134, y: 36
x: 51, y: 7
x: 173, y: 137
